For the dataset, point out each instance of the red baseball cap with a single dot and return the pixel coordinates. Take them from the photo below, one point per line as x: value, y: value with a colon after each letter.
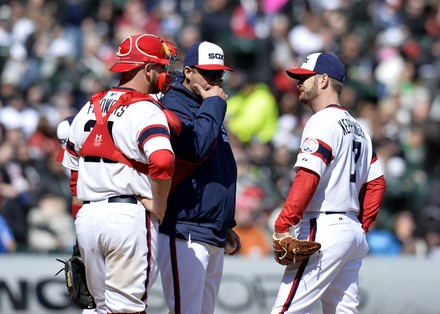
x: 136, y: 50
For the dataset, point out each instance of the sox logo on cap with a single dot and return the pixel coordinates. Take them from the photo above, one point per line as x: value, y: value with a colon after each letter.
x: 206, y: 56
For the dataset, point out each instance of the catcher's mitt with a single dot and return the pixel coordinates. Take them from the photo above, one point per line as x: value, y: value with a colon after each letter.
x: 289, y: 250
x: 75, y: 275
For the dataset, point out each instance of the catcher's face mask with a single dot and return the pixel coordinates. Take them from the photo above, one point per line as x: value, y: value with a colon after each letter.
x: 168, y: 78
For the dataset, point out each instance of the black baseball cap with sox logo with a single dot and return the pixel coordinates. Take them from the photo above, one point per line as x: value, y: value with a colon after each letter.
x: 320, y: 63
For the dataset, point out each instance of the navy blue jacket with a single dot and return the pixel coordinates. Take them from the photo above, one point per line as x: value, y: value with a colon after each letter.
x: 202, y: 204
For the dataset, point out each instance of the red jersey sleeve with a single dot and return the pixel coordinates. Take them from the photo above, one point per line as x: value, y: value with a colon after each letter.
x: 161, y: 164
x: 73, y: 182
x: 371, y: 198
x: 301, y: 192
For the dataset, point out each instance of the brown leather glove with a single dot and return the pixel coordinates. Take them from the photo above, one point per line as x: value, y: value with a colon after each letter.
x: 289, y: 250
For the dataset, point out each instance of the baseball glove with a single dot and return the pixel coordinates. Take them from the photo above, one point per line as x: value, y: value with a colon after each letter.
x: 289, y: 250
x: 75, y: 275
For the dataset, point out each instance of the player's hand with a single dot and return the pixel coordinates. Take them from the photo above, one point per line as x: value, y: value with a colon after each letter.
x: 148, y: 204
x: 234, y: 240
x: 211, y: 91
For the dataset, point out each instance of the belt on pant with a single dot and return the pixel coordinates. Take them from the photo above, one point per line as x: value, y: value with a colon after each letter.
x: 331, y: 213
x: 119, y: 199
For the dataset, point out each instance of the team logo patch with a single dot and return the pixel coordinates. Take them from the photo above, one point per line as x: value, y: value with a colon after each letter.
x: 98, y: 140
x: 310, y: 146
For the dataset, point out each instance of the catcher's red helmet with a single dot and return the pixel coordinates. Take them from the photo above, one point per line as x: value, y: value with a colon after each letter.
x: 136, y: 50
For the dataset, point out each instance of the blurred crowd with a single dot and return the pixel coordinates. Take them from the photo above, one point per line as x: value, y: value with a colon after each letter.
x: 54, y: 54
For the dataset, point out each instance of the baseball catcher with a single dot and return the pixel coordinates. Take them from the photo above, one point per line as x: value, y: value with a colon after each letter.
x: 75, y: 276
x: 289, y: 250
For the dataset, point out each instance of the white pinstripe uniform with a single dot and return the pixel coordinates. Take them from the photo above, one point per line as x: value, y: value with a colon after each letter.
x: 102, y: 226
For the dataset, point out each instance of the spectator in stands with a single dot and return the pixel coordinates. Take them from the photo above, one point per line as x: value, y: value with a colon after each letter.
x: 7, y: 241
x: 252, y: 113
x: 51, y: 227
x: 14, y: 188
x: 405, y: 229
x: 250, y: 227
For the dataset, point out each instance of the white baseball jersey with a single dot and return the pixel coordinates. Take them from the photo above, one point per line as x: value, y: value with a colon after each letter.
x: 138, y: 130
x: 336, y: 148
x: 341, y: 153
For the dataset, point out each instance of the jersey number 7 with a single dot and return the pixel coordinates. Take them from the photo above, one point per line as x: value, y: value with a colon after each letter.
x: 356, y: 155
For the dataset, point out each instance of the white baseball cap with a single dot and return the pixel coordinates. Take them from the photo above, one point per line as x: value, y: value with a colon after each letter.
x: 206, y: 56
x: 63, y: 130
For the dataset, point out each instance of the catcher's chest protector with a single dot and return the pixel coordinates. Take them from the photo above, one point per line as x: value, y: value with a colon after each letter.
x: 99, y: 143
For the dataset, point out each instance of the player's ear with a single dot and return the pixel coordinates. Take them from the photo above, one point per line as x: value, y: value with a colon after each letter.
x: 147, y: 71
x: 324, y: 80
x: 187, y: 73
x: 147, y: 68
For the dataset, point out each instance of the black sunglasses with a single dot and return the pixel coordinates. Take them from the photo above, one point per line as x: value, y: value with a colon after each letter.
x: 211, y: 73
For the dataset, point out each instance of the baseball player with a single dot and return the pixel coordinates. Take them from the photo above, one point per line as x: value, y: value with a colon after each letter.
x: 63, y: 130
x: 334, y: 199
x: 200, y: 215
x: 121, y: 159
